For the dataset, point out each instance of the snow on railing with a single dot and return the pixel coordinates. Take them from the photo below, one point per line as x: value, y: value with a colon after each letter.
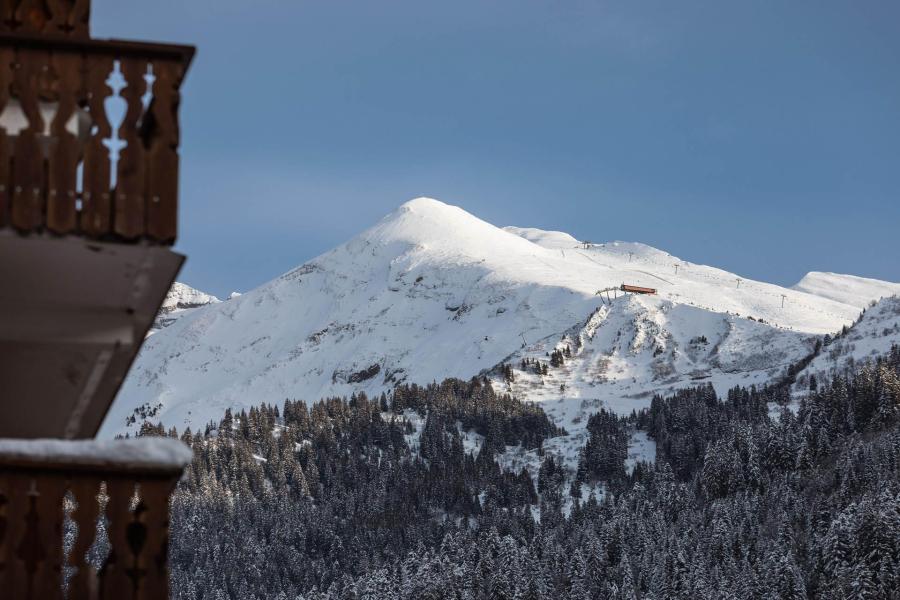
x: 144, y: 454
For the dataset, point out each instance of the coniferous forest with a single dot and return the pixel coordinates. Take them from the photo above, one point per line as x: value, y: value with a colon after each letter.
x: 346, y: 498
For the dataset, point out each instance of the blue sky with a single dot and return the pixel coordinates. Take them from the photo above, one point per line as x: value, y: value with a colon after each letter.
x: 760, y: 137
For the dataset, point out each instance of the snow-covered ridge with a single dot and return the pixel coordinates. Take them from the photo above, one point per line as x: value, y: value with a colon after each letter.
x: 849, y: 289
x: 179, y: 299
x: 547, y: 239
x: 430, y: 292
x: 877, y: 329
x: 182, y: 296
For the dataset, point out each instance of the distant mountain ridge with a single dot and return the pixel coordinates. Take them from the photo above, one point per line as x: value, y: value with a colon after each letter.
x: 432, y: 292
x: 849, y: 289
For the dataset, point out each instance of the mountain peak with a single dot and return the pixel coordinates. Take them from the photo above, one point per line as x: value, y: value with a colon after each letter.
x: 181, y: 295
x: 424, y: 204
x: 430, y: 209
x: 426, y: 222
x: 424, y: 209
x: 179, y: 300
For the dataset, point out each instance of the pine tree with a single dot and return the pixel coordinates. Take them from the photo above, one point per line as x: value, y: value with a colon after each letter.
x: 579, y: 587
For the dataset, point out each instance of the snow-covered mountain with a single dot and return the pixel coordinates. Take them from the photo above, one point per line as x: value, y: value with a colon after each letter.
x: 432, y: 292
x: 877, y: 329
x: 179, y: 300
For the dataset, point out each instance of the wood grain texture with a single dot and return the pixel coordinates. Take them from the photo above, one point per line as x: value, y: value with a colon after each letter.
x: 155, y: 557
x: 96, y: 209
x: 47, y: 576
x: 129, y: 204
x: 63, y: 159
x: 162, y: 154
x: 6, y: 75
x: 27, y: 206
x: 116, y: 583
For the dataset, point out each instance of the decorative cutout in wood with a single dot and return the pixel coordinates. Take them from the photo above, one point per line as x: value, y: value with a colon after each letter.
x: 57, y: 174
x: 120, y: 535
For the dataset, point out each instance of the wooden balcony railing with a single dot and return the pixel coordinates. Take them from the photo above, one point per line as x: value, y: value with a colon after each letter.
x: 65, y: 168
x: 53, y: 17
x: 111, y: 497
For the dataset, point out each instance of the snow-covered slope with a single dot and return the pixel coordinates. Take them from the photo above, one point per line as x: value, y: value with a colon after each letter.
x: 179, y: 299
x: 849, y: 289
x: 547, y: 239
x: 873, y: 335
x: 638, y: 346
x: 432, y: 291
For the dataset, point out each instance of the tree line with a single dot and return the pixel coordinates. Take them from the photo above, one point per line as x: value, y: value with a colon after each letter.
x: 347, y: 498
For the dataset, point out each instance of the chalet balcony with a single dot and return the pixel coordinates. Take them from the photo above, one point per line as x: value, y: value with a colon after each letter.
x: 65, y: 168
x: 86, y: 519
x: 89, y: 140
x: 88, y: 214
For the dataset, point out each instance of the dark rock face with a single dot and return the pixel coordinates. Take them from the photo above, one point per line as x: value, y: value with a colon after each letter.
x: 365, y: 374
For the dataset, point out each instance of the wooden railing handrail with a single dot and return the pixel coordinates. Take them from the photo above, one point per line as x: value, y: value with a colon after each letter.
x: 113, y: 47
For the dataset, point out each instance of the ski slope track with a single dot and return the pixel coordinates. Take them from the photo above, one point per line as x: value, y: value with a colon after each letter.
x: 432, y: 292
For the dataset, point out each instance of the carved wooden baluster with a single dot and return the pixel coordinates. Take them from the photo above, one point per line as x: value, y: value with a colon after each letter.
x: 7, y: 15
x: 27, y: 197
x: 162, y: 153
x: 96, y: 208
x: 30, y: 552
x: 59, y: 15
x: 33, y: 16
x: 47, y: 577
x: 129, y: 198
x: 138, y: 562
x: 155, y: 495
x: 79, y: 18
x: 15, y: 579
x: 61, y: 196
x: 5, y: 544
x: 116, y: 582
x: 6, y: 59
x: 69, y: 17
x: 85, y: 516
